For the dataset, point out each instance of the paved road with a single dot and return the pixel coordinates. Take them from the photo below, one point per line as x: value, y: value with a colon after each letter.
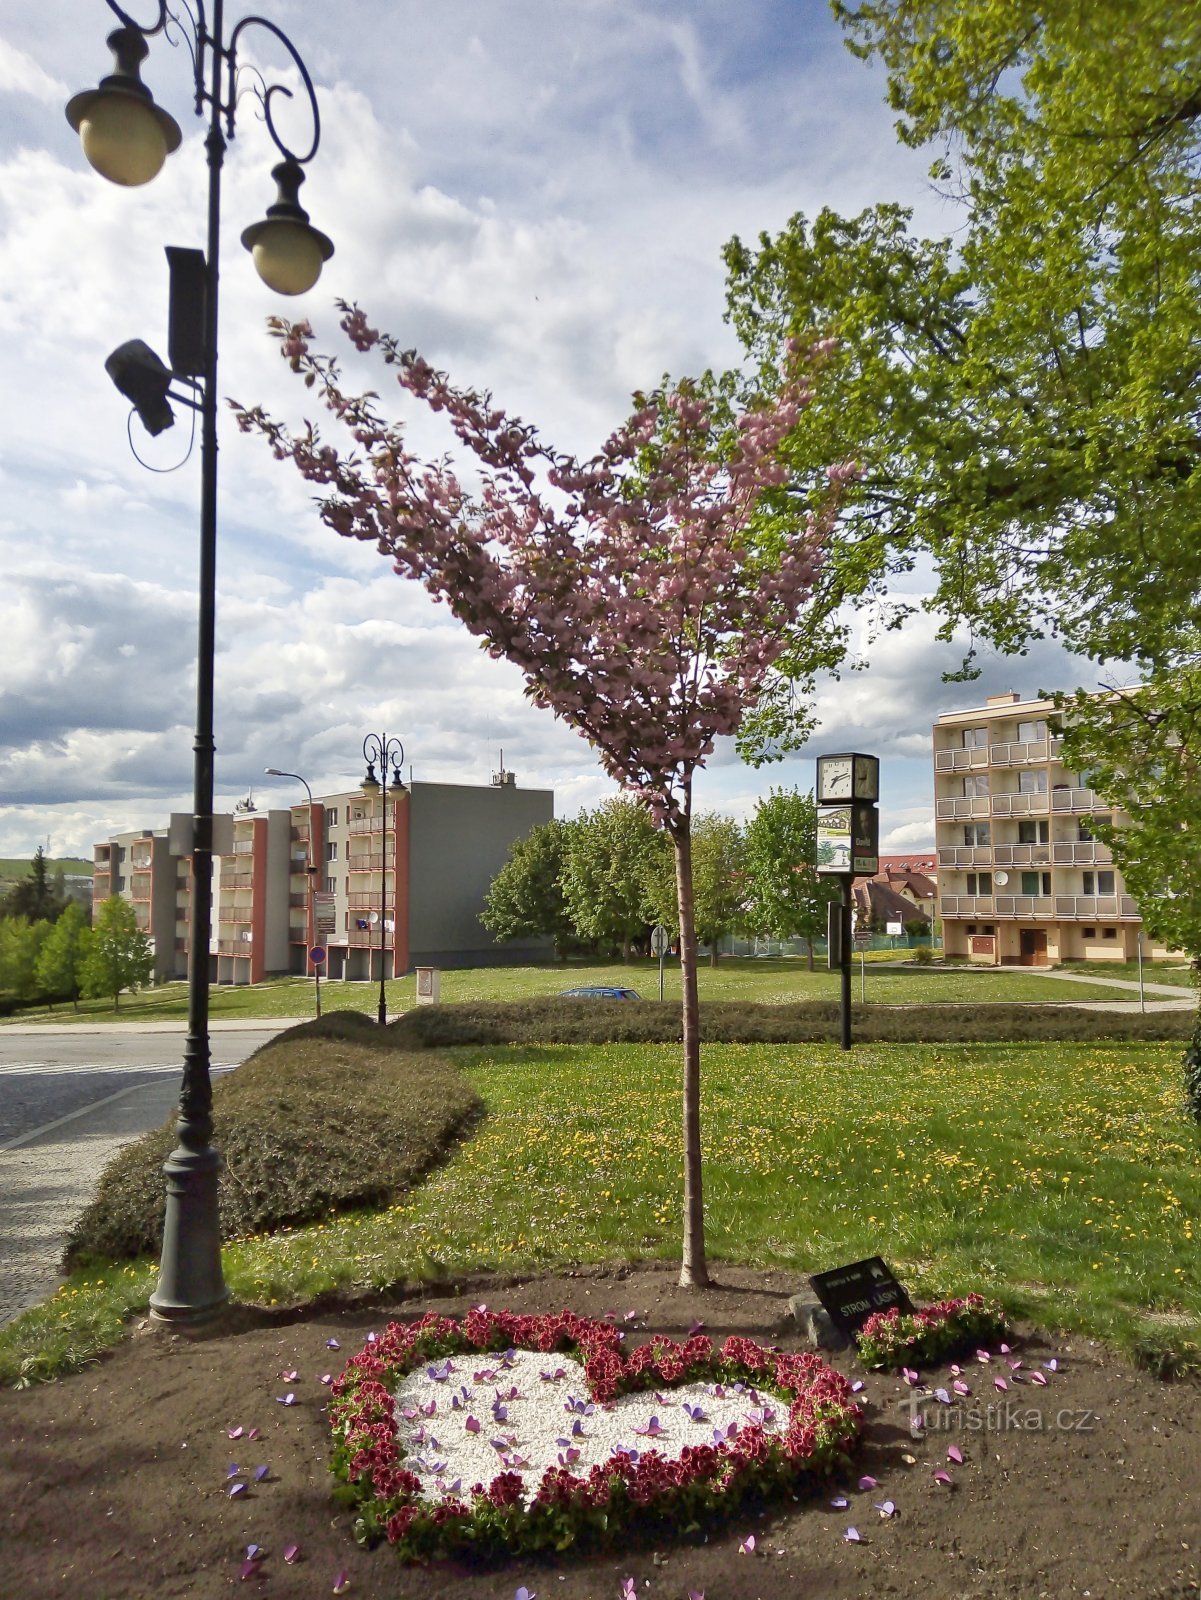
x: 70, y: 1097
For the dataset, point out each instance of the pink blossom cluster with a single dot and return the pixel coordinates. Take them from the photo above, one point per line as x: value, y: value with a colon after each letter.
x: 625, y: 587
x: 823, y: 1426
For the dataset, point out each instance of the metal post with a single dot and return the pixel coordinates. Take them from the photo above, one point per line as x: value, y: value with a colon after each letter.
x: 845, y: 965
x: 191, y: 1287
x: 382, y: 1017
x: 1142, y: 997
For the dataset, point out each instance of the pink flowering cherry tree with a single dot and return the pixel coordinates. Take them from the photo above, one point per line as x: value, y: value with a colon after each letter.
x: 625, y: 587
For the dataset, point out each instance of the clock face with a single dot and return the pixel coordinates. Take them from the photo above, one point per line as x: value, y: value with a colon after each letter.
x: 834, y: 778
x: 867, y: 778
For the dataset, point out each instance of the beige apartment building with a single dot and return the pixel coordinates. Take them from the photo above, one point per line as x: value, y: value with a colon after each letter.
x: 1021, y: 880
x: 372, y: 885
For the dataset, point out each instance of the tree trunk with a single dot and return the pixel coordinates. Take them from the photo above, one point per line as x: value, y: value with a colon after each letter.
x: 713, y: 953
x: 809, y: 952
x: 694, y: 1272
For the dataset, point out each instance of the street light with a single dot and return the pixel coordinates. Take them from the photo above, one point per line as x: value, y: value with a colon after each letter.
x: 378, y: 748
x: 126, y: 137
x: 311, y: 870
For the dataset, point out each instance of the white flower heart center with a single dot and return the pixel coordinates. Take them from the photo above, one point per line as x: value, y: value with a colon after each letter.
x: 468, y: 1418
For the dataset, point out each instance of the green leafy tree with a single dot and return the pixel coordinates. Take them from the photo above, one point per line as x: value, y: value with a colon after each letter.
x: 21, y: 943
x: 526, y: 897
x: 611, y: 855
x: 60, y: 962
x: 1022, y: 399
x: 36, y: 897
x: 119, y: 954
x: 786, y: 898
x: 718, y: 882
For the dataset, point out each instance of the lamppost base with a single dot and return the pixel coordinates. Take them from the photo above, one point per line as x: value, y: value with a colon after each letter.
x: 191, y: 1289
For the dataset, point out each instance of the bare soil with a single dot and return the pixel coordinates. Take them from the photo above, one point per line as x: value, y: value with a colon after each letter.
x: 113, y: 1482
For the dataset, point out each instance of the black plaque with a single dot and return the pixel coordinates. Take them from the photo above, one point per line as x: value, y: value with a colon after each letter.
x: 853, y: 1294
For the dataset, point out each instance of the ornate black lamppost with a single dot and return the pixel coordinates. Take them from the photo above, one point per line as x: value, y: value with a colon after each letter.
x: 378, y: 748
x: 126, y: 137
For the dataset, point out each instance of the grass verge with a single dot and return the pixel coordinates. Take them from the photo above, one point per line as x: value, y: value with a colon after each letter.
x: 1061, y: 1179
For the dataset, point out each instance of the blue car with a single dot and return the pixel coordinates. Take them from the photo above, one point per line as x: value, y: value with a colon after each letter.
x: 601, y: 991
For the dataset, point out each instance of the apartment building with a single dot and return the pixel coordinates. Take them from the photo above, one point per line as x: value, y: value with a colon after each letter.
x: 1021, y: 879
x: 396, y: 885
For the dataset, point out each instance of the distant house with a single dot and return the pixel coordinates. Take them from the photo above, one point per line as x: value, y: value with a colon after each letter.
x: 879, y: 903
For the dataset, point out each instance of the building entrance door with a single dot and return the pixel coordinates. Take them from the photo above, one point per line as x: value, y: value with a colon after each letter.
x: 1034, y: 947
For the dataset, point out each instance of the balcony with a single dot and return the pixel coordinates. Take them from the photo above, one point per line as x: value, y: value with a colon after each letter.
x: 975, y: 806
x: 965, y: 855
x: 966, y: 905
x: 236, y: 914
x: 1066, y: 799
x: 1071, y: 853
x: 368, y: 937
x: 1019, y: 805
x: 1022, y: 855
x: 1016, y: 754
x: 373, y: 824
x: 1095, y: 907
x: 1025, y: 905
x: 234, y: 947
x: 960, y: 760
x: 298, y: 899
x: 365, y: 863
x: 243, y: 847
x: 237, y: 880
x: 300, y: 833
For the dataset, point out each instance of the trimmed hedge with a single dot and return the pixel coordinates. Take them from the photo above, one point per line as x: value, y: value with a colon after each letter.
x: 584, y: 1021
x: 330, y: 1115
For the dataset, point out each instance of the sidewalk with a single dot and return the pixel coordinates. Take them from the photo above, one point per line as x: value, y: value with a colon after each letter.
x: 180, y: 1027
x: 51, y: 1177
x: 1177, y: 991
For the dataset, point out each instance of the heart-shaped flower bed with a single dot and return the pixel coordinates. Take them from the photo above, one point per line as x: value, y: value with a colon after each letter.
x: 510, y: 1433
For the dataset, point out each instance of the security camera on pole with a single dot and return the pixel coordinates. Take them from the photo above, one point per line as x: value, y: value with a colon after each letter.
x: 848, y: 845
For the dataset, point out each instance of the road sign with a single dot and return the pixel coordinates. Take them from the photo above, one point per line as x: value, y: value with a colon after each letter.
x: 660, y: 939
x: 317, y: 956
x: 324, y: 915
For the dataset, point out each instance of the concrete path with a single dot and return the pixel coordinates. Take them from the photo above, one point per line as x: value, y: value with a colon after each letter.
x: 48, y: 1175
x: 1177, y: 992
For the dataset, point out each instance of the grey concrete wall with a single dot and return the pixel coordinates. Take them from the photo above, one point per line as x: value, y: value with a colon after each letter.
x: 278, y: 886
x: 459, y: 839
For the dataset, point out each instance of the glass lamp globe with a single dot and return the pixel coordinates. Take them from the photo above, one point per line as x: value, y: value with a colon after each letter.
x: 288, y: 256
x: 288, y: 251
x: 123, y: 139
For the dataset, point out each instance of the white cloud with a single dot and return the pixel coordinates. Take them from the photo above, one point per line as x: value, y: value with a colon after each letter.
x: 535, y: 195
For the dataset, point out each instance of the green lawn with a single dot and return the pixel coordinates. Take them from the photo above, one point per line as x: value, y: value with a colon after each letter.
x: 778, y: 980
x: 1173, y: 972
x: 1062, y: 1178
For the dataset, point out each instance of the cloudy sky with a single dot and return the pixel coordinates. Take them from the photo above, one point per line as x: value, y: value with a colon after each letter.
x: 533, y: 192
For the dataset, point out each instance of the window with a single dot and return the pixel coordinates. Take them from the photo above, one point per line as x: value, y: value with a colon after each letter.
x: 331, y: 885
x: 1031, y: 732
x: 1034, y: 832
x: 975, y: 738
x: 331, y: 850
x: 1083, y: 834
x: 977, y: 833
x: 1032, y: 782
x: 1098, y: 882
x: 971, y: 928
x: 976, y: 784
x: 331, y: 816
x: 1109, y: 933
x: 1036, y: 883
x: 1088, y: 933
x: 990, y: 927
x: 979, y: 883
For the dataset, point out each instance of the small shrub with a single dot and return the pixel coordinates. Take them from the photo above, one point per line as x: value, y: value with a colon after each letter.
x: 895, y: 1338
x: 328, y: 1116
x: 922, y: 954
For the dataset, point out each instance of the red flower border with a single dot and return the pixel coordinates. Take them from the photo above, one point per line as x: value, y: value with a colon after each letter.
x: 705, y: 1482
